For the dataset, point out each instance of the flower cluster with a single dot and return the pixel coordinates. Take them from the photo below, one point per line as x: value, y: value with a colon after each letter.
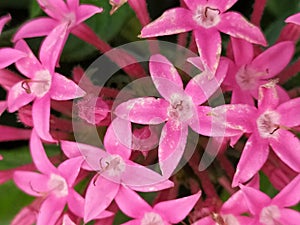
x: 199, y: 143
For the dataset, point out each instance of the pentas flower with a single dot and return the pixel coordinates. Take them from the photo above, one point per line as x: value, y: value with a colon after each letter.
x: 162, y: 213
x: 267, y: 211
x: 294, y: 19
x: 247, y: 72
x: 270, y: 126
x: 54, y: 185
x: 42, y: 85
x: 207, y: 18
x: 114, y: 169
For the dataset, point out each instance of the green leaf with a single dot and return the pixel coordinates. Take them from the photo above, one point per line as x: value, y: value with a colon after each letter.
x: 34, y: 9
x: 23, y: 4
x: 280, y: 8
x: 266, y: 186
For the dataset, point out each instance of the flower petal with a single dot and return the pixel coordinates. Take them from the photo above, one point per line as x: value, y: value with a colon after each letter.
x: 253, y: 157
x: 176, y: 210
x: 235, y: 205
x: 289, y: 216
x: 63, y: 88
x: 205, y: 221
x: 132, y: 222
x: 136, y: 207
x: 196, y: 61
x: 294, y: 19
x: 241, y: 97
x: 209, y: 47
x: 3, y: 107
x: 70, y: 149
x: 14, y: 134
x: 243, y: 51
x: 73, y: 4
x: 9, y: 55
x: 145, y: 110
x: 287, y: 148
x: 75, y: 203
x: 235, y: 25
x: 289, y: 113
x: 4, y: 20
x: 223, y: 5
x: 172, y: 21
x: 35, y: 28
x: 105, y: 190
x: 54, y: 8
x: 267, y: 97
x: 86, y: 11
x: 70, y: 169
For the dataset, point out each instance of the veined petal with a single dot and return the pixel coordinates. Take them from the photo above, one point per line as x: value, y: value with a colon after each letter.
x: 202, y: 86
x: 209, y: 47
x: 294, y: 19
x: 243, y: 51
x: 287, y: 148
x: 105, y: 190
x: 63, y: 88
x: 3, y: 21
x: 39, y: 156
x: 70, y: 169
x: 86, y: 11
x: 136, y: 207
x: 289, y: 113
x: 35, y: 28
x: 50, y: 210
x: 275, y: 59
x: 9, y: 55
x: 176, y: 210
x: 145, y: 110
x: 253, y: 157
x: 172, y: 21
x: 288, y: 216
x: 235, y: 25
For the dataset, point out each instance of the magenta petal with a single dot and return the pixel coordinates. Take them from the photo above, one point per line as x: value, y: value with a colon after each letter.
x: 70, y: 169
x: 132, y: 222
x: 267, y: 97
x: 287, y: 148
x: 3, y: 21
x: 67, y: 220
x: 289, y: 216
x: 50, y: 210
x: 236, y: 204
x: 105, y: 190
x: 146, y: 110
x: 32, y: 183
x: 238, y: 96
x: 3, y: 106
x: 75, y: 203
x: 136, y: 207
x: 35, y: 28
x: 294, y: 19
x: 202, y: 86
x: 275, y: 59
x: 86, y: 11
x: 254, y: 156
x: 176, y: 210
x: 118, y: 137
x: 14, y: 134
x: 205, y: 221
x: 154, y: 187
x: 70, y: 149
x: 8, y: 79
x: 222, y: 5
x: 54, y: 8
x: 64, y: 88
x: 197, y: 62
x: 289, y: 113
x: 9, y: 56
x: 243, y: 51
x: 39, y: 156
x: 172, y: 21
x: 209, y: 46
x: 236, y: 25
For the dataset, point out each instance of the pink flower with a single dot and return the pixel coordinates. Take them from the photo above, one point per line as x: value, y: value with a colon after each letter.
x: 269, y: 126
x: 54, y: 185
x: 207, y: 18
x: 267, y: 211
x: 294, y: 19
x: 4, y: 20
x: 163, y: 213
x: 249, y: 72
x: 42, y: 85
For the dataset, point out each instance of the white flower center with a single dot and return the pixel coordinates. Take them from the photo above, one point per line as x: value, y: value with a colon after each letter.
x: 247, y: 78
x: 113, y: 165
x: 269, y: 215
x: 268, y: 124
x: 58, y: 185
x: 207, y: 16
x: 181, y: 108
x: 70, y: 19
x: 40, y: 85
x: 152, y: 218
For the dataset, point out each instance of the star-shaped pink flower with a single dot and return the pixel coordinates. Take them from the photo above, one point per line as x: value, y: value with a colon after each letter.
x: 42, y: 85
x: 207, y: 18
x: 163, y: 213
x: 294, y: 19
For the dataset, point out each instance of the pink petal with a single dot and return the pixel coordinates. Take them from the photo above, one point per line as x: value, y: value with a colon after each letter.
x: 209, y: 47
x: 32, y: 183
x: 267, y: 97
x: 4, y: 20
x: 3, y: 106
x: 73, y: 4
x: 176, y: 210
x: 172, y: 21
x: 294, y: 19
x: 205, y: 221
x: 132, y: 222
x: 70, y: 169
x: 246, y: 220
x: 35, y: 28
x: 235, y: 205
x: 289, y: 113
x: 289, y: 195
x: 132, y: 204
x: 222, y: 5
x: 50, y: 210
x: 145, y: 110
x: 75, y: 203
x: 274, y: 59
x: 64, y: 89
x: 202, y: 86
x: 289, y: 216
x: 14, y: 134
x: 238, y: 96
x: 197, y: 62
x: 86, y: 11
x: 18, y: 97
x: 235, y: 25
x: 255, y: 199
x: 67, y: 220
x: 253, y: 157
x: 9, y: 55
x: 287, y: 148
x: 8, y: 79
x: 282, y: 94
x: 70, y: 149
x: 118, y: 137
x: 54, y: 8
x: 243, y: 51
x: 154, y: 187
x: 39, y: 156
x: 106, y: 192
x: 171, y: 146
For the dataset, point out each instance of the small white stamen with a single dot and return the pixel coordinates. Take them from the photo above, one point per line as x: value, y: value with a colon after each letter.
x: 268, y: 124
x: 152, y: 218
x: 207, y: 16
x: 269, y: 215
x: 58, y: 185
